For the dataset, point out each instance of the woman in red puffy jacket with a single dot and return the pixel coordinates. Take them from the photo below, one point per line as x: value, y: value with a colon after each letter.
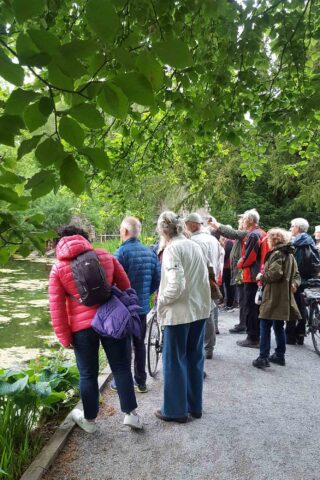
x: 72, y: 324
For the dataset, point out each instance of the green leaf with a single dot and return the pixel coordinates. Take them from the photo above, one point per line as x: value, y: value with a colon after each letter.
x: 174, y: 52
x: 10, y: 125
x: 88, y: 115
x: 24, y: 10
x: 28, y: 145
x: 29, y: 54
x: 18, y: 101
x: 71, y: 132
x: 7, y: 388
x: 151, y: 69
x: 8, y: 195
x: 113, y: 101
x: 10, y: 178
x: 79, y: 48
x: 70, y: 66
x: 44, y: 40
x: 59, y: 79
x: 136, y: 87
x: 41, y: 184
x: 10, y: 71
x: 36, y: 219
x: 48, y: 152
x: 5, y: 255
x: 46, y: 106
x: 98, y: 157
x: 71, y: 176
x: 102, y: 19
x: 37, y: 114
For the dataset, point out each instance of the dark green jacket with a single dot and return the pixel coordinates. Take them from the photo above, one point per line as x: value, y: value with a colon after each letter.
x: 235, y: 254
x: 280, y: 273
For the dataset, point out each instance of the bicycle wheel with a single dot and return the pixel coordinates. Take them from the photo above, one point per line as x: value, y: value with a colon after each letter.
x: 315, y: 326
x: 153, y: 351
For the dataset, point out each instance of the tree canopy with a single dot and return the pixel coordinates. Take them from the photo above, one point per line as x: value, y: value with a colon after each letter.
x: 195, y: 93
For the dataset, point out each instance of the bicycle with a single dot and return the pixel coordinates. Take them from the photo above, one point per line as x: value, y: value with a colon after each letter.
x: 154, y: 344
x: 312, y: 301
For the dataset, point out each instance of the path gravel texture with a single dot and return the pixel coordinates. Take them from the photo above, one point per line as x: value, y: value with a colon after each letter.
x: 257, y: 425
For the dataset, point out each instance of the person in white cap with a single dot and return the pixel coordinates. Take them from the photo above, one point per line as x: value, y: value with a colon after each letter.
x: 210, y: 249
x: 317, y: 236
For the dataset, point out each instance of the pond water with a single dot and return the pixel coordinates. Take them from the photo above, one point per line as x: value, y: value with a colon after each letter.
x: 25, y: 326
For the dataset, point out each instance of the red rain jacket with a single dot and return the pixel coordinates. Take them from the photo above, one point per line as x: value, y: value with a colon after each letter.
x: 66, y: 314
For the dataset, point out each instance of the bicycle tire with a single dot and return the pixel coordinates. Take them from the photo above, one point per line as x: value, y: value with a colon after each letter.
x: 315, y: 326
x: 153, y: 353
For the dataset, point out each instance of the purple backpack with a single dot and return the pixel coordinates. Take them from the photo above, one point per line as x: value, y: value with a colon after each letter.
x: 118, y: 317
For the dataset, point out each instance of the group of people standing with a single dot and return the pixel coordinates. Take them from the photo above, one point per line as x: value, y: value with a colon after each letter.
x: 178, y: 270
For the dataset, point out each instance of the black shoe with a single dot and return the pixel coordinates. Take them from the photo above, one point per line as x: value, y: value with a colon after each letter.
x: 261, y: 362
x: 237, y: 329
x: 204, y: 374
x: 249, y: 343
x: 217, y: 332
x: 300, y: 339
x: 195, y: 415
x: 291, y: 341
x: 278, y: 360
x: 209, y: 355
x: 159, y: 415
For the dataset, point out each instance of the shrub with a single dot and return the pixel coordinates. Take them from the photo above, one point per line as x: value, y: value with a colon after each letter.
x: 28, y: 398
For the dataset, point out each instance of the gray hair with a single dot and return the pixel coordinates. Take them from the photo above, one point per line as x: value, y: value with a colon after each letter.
x: 252, y: 215
x: 300, y: 223
x: 170, y: 224
x: 132, y: 225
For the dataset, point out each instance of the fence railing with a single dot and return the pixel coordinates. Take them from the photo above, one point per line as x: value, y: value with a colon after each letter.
x: 104, y: 237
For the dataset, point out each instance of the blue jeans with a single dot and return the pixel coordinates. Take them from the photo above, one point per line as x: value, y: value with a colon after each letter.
x: 86, y: 347
x: 265, y: 337
x: 183, y: 361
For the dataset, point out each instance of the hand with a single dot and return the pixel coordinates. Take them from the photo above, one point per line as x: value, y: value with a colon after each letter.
x: 293, y: 288
x: 213, y: 224
x: 258, y: 277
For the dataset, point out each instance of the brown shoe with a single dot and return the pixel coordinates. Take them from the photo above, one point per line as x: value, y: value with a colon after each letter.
x: 159, y: 415
x: 249, y: 343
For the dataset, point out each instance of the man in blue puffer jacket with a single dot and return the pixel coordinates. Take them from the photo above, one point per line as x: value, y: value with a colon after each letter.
x: 142, y: 266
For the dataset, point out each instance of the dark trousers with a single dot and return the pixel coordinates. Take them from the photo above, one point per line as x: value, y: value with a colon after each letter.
x: 86, y: 347
x: 251, y: 310
x: 183, y: 361
x: 294, y: 328
x: 265, y: 337
x: 242, y: 318
x: 228, y: 289
x: 139, y: 348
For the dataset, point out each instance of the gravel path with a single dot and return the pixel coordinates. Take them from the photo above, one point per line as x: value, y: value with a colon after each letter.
x: 257, y: 425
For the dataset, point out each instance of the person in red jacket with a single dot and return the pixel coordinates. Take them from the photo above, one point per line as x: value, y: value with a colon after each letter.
x: 72, y: 324
x: 254, y: 250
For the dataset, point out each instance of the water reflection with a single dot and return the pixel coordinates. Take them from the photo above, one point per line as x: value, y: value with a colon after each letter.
x: 24, y: 315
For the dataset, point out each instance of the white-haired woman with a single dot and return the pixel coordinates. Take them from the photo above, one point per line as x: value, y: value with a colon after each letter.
x: 280, y: 279
x: 184, y: 303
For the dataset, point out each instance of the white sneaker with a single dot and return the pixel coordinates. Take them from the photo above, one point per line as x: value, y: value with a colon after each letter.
x: 78, y: 418
x: 133, y: 420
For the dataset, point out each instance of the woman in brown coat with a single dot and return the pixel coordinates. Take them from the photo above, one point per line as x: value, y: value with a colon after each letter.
x: 280, y: 280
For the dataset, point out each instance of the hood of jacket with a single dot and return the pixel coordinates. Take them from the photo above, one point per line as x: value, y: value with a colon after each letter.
x: 285, y: 248
x: 302, y: 240
x: 70, y: 247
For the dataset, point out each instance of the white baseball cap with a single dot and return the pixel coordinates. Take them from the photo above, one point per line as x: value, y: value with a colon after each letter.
x: 193, y: 217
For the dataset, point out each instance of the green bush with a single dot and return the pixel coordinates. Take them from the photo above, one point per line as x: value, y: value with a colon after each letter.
x: 28, y: 399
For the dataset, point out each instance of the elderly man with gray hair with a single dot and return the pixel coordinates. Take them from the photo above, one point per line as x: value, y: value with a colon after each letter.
x: 254, y: 250
x: 308, y: 261
x: 142, y: 266
x: 210, y: 249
